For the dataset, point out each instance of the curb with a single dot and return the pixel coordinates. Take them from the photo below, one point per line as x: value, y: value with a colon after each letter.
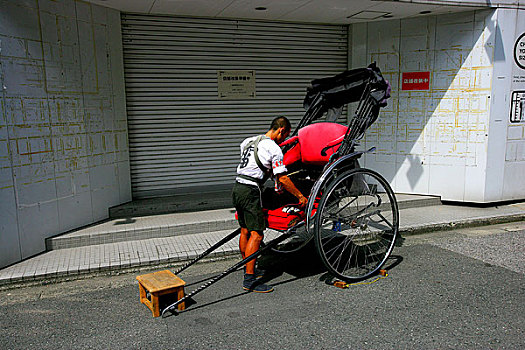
x: 85, y: 274
x: 493, y: 220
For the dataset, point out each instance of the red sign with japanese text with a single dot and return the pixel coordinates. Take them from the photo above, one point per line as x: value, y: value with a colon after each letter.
x: 415, y: 81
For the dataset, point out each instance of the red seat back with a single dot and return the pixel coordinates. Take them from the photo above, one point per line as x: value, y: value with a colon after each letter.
x: 294, y: 153
x: 314, y: 137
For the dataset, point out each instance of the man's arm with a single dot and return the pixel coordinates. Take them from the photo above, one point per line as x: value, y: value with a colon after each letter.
x: 290, y: 187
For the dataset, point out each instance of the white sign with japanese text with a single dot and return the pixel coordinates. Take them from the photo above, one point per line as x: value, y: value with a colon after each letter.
x: 236, y: 84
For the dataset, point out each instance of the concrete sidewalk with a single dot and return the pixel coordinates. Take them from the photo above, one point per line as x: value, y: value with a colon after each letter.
x: 171, y: 239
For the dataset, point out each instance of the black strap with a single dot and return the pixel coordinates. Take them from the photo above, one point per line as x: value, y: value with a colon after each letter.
x: 266, y: 172
x: 255, y: 144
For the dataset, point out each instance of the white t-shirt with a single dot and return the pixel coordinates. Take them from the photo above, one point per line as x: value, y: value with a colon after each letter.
x: 270, y: 155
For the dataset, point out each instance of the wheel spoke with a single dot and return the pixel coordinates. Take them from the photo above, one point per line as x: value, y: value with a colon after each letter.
x: 385, y: 220
x: 346, y: 205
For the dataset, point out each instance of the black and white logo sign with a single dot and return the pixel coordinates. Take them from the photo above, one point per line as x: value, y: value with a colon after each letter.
x: 519, y: 51
x: 517, y: 107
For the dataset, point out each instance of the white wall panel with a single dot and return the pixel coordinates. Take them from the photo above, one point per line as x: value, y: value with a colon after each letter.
x: 512, y: 24
x: 454, y: 140
x: 9, y: 240
x: 434, y: 141
x: 64, y: 120
x: 36, y: 221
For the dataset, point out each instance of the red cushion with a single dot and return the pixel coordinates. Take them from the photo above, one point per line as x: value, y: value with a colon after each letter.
x: 313, y: 138
x: 282, y: 218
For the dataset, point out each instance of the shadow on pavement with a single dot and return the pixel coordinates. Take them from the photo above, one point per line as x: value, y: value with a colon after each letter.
x: 302, y: 264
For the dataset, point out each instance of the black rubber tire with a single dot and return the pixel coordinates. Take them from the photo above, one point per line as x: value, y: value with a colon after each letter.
x: 355, y: 241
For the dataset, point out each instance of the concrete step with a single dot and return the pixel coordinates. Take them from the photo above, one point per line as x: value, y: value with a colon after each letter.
x: 109, y: 257
x: 406, y: 201
x: 146, y: 227
x: 176, y: 224
x: 182, y: 203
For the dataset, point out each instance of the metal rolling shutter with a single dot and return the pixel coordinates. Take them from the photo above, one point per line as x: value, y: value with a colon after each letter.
x: 182, y: 137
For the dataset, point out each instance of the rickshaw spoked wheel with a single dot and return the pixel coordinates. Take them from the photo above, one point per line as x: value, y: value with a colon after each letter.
x: 356, y: 224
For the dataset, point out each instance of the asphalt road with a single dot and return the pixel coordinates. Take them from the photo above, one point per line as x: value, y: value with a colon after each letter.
x: 460, y: 289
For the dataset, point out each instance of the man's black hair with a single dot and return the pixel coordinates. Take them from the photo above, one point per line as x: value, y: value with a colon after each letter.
x: 280, y: 122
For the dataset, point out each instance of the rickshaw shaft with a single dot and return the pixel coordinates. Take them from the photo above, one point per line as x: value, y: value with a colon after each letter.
x: 233, y: 268
x: 209, y: 250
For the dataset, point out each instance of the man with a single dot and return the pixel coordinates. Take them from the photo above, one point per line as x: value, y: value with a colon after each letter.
x: 260, y: 157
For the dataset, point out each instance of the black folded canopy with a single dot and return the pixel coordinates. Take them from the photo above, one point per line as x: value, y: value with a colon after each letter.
x: 348, y: 87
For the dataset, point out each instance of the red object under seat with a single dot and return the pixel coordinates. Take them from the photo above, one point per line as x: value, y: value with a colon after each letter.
x: 280, y: 219
x: 283, y: 218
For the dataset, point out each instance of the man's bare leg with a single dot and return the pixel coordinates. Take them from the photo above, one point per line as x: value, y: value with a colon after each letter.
x: 243, y: 241
x: 254, y: 242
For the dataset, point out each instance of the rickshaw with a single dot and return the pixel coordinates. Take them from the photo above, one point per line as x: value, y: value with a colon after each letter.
x: 352, y: 214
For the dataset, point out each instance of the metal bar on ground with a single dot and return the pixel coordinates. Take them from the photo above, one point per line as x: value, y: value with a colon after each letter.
x: 209, y: 250
x: 233, y: 268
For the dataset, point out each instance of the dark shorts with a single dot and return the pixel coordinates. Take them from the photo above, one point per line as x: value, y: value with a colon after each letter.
x: 247, y: 202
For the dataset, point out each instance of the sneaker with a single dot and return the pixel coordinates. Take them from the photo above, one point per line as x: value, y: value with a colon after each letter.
x: 251, y: 284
